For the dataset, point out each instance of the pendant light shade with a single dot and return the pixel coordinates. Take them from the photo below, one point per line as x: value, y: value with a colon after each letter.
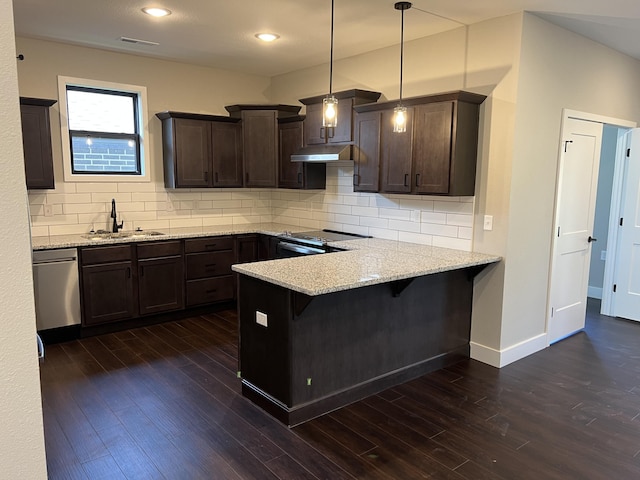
x: 400, y: 112
x: 330, y: 103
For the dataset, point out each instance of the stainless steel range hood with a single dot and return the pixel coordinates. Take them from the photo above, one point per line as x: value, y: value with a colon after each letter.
x: 323, y: 153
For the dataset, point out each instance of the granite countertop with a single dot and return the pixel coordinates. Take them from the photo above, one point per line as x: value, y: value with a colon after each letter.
x: 367, y: 261
x: 79, y: 240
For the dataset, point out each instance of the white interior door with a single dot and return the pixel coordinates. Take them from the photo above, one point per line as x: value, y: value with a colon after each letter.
x: 627, y: 276
x: 575, y: 210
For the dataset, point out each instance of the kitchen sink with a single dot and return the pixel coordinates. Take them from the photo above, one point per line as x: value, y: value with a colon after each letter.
x: 104, y: 235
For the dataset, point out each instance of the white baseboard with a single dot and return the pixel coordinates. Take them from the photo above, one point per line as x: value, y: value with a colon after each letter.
x: 501, y: 358
x: 594, y: 292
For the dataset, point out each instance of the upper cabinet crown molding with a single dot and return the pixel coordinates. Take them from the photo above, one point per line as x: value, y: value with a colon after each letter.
x: 361, y: 96
x: 196, y: 116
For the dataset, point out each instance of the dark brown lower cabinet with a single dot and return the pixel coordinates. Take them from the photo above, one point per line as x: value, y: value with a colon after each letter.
x: 208, y: 270
x: 160, y: 284
x: 107, y: 292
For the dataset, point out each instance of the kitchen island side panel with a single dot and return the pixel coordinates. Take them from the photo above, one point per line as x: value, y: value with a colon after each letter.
x: 319, y: 353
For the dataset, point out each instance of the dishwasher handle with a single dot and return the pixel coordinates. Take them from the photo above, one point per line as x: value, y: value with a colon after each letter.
x: 54, y: 261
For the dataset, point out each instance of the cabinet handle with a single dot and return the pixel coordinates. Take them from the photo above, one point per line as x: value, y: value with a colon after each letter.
x: 128, y: 272
x: 406, y: 179
x: 206, y: 177
x: 246, y: 176
x: 216, y: 177
x: 211, y: 291
x: 209, y: 265
x: 355, y: 179
x: 299, y: 177
x: 331, y: 131
x: 322, y: 133
x: 141, y: 271
x: 417, y: 179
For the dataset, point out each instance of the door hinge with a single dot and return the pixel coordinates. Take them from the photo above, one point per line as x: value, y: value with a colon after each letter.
x: 628, y: 152
x: 615, y: 287
x: 621, y: 221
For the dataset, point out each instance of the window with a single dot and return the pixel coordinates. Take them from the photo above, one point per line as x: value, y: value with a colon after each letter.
x: 102, y: 130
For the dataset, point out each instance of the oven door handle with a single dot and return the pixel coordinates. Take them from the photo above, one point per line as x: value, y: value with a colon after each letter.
x: 303, y: 249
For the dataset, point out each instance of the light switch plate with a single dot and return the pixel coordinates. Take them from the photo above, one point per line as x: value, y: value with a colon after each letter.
x: 488, y: 222
x: 261, y: 318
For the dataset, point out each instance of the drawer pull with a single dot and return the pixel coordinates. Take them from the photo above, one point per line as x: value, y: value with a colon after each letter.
x: 209, y: 265
x: 211, y: 245
x: 211, y: 291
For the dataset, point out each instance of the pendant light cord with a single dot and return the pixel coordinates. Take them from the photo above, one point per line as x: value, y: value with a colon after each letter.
x: 401, y: 51
x: 331, y: 60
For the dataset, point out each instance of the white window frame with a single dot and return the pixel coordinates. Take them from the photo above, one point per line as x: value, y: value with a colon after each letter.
x: 143, y: 128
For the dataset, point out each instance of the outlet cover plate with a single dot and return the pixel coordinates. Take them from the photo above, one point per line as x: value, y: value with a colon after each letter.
x: 261, y: 318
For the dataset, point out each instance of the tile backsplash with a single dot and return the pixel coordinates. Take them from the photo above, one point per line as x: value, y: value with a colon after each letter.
x: 74, y: 208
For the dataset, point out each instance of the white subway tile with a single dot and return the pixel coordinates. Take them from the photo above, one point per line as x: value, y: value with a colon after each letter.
x: 384, y: 202
x: 260, y: 211
x: 466, y: 233
x: 361, y: 201
x: 383, y: 233
x: 185, y: 222
x: 39, y: 198
x: 311, y: 224
x: 343, y: 209
x: 357, y: 229
x: 348, y: 219
x: 69, y: 198
x: 127, y: 207
x: 441, y: 230
x: 374, y: 222
x: 55, y: 220
x: 139, y: 187
x: 75, y: 229
x: 365, y: 211
x: 203, y: 204
x: 153, y: 224
x: 107, y: 197
x: 215, y: 221
x: 149, y: 197
x: 433, y: 217
x: 156, y: 206
x: 39, y: 230
x: 344, y: 189
x: 186, y: 205
x: 84, y: 208
x: 286, y: 220
x: 246, y: 220
x: 452, y: 207
x: 227, y: 204
x: 404, y: 226
x: 455, y: 243
x: 207, y: 212
x: 230, y: 212
x: 416, y: 204
x: 396, y: 214
x: 324, y: 217
x: 226, y: 195
x: 64, y: 187
x: 415, y: 238
x: 459, y: 220
x: 95, y: 187
x: 175, y: 196
x: 136, y: 216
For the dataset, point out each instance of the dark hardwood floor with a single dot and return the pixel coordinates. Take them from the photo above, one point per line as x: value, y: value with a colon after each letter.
x: 164, y: 402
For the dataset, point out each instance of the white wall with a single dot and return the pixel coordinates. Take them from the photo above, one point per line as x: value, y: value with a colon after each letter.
x: 558, y: 69
x: 21, y: 433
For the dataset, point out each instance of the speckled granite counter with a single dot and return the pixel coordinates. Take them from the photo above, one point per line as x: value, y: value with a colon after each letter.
x: 70, y: 241
x: 368, y: 261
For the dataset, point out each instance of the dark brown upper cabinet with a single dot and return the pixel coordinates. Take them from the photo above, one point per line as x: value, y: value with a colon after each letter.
x: 435, y: 156
x: 36, y: 142
x: 260, y: 141
x: 297, y: 175
x: 201, y: 150
x: 315, y: 133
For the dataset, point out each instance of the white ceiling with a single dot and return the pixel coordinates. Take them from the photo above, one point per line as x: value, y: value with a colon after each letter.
x: 221, y: 33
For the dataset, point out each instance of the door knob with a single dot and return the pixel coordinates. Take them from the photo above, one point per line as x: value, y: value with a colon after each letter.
x: 591, y: 239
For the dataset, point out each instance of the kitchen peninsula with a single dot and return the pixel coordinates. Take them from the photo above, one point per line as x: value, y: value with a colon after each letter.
x: 322, y: 331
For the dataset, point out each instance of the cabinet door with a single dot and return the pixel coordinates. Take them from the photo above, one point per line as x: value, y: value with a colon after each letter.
x: 160, y: 284
x: 290, y: 174
x: 36, y: 142
x: 432, y: 147
x: 107, y: 293
x: 366, y: 155
x: 313, y: 129
x: 193, y: 152
x: 259, y: 132
x: 395, y: 155
x: 343, y: 131
x: 227, y: 154
x: 247, y: 248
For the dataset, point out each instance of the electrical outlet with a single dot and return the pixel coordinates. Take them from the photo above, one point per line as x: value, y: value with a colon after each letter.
x: 261, y: 318
x: 603, y: 255
x: 48, y: 210
x: 488, y: 222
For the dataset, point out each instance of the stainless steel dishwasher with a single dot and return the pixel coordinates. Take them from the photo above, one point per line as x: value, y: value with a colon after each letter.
x: 57, y: 290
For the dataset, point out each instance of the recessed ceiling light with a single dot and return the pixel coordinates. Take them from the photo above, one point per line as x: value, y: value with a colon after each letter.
x: 156, y: 11
x: 267, y: 37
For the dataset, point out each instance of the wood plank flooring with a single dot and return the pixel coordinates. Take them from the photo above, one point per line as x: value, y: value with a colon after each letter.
x: 164, y: 402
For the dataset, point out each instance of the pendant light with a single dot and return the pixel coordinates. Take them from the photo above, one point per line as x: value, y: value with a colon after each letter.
x: 330, y: 103
x: 400, y: 112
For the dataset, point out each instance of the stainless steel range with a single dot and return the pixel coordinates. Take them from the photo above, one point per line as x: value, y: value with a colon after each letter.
x: 311, y: 243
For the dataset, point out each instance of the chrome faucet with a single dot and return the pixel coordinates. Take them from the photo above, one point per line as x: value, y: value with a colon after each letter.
x: 114, y: 215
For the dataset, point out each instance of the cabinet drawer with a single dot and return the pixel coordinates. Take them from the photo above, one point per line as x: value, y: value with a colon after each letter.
x: 201, y: 265
x: 159, y: 249
x: 208, y: 244
x: 117, y: 253
x: 210, y: 290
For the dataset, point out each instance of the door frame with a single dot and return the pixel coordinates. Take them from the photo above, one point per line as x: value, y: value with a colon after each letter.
x: 623, y: 125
